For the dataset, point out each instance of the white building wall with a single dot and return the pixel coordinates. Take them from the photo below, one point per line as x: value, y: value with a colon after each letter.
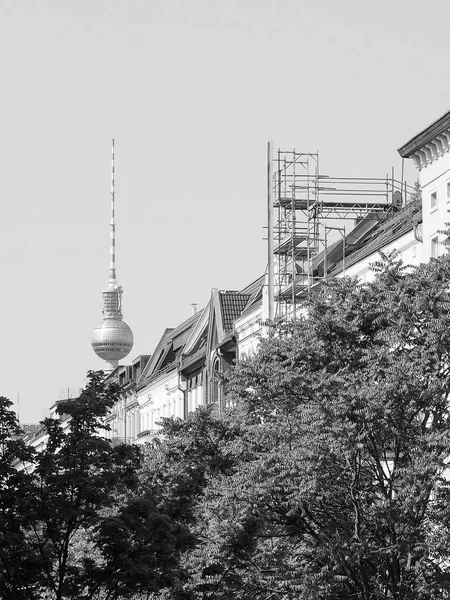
x: 116, y: 421
x: 408, y: 248
x: 195, y: 398
x: 248, y: 329
x: 160, y: 398
x: 434, y: 180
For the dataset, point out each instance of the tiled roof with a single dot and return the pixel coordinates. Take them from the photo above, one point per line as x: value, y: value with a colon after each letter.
x: 232, y: 304
x: 386, y: 232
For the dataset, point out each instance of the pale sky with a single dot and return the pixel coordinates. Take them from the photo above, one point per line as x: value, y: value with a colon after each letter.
x: 191, y: 91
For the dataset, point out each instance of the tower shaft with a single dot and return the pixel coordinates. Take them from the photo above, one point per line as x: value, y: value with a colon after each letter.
x: 112, y: 226
x: 112, y: 339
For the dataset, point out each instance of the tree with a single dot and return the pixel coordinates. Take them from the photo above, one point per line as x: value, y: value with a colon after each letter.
x: 63, y: 494
x: 81, y: 519
x: 336, y: 484
x: 78, y: 475
x: 17, y: 571
x: 175, y: 474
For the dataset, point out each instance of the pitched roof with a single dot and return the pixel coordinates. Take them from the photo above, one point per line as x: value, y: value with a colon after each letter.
x: 255, y: 291
x: 386, y: 232
x: 253, y: 287
x: 169, y: 358
x: 168, y: 349
x: 232, y: 305
x: 197, y: 336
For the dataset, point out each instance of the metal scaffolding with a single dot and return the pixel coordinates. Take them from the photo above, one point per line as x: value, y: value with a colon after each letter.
x: 303, y: 205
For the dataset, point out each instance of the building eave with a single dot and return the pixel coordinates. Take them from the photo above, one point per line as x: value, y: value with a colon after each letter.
x: 425, y: 136
x: 196, y: 360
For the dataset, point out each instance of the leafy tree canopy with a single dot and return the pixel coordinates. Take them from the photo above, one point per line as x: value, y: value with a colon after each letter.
x: 328, y: 478
x: 71, y: 525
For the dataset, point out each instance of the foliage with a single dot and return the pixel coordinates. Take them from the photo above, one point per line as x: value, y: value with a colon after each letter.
x: 175, y: 473
x: 57, y: 500
x: 15, y: 494
x: 328, y: 478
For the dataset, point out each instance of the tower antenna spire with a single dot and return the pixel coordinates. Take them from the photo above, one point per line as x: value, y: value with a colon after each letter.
x: 112, y: 225
x: 112, y: 339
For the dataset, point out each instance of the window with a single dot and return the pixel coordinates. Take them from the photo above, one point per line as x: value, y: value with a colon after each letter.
x: 448, y: 191
x: 433, y: 200
x: 434, y: 247
x: 215, y: 391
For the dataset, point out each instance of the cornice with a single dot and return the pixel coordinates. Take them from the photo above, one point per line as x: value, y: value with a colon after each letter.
x: 429, y: 144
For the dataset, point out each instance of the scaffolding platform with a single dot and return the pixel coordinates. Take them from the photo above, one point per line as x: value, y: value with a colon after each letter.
x: 291, y: 203
x: 290, y: 245
x: 304, y: 206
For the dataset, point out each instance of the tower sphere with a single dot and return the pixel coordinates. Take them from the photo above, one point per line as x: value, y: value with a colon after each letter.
x: 112, y: 340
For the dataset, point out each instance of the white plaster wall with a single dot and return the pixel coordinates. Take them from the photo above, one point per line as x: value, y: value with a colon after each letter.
x: 160, y: 398
x: 247, y: 330
x: 40, y: 442
x: 195, y: 398
x: 116, y: 420
x: 410, y: 251
x: 434, y: 178
x: 132, y: 423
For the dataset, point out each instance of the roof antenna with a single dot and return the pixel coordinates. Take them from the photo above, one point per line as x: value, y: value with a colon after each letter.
x: 112, y: 227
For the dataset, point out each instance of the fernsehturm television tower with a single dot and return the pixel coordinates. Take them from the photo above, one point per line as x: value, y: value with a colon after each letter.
x: 112, y: 339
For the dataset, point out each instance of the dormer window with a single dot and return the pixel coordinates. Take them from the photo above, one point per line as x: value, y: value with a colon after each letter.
x: 433, y: 200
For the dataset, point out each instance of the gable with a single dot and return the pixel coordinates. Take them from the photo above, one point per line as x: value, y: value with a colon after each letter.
x: 232, y: 305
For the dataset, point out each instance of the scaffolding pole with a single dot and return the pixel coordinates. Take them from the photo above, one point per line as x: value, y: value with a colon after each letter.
x: 270, y: 231
x: 300, y: 200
